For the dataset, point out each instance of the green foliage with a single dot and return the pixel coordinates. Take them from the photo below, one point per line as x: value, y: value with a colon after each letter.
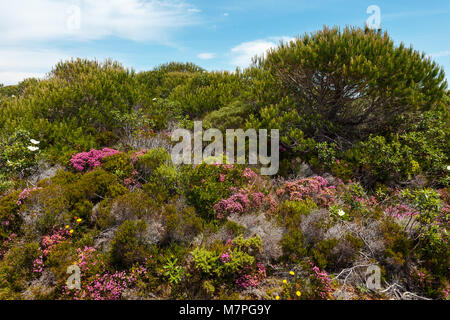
x: 336, y: 74
x: 230, y: 116
x: 173, y: 271
x: 206, y: 92
x: 118, y: 164
x: 241, y: 253
x: 181, y: 225
x: 16, y: 269
x: 203, y: 187
x: 128, y: 246
x: 9, y: 213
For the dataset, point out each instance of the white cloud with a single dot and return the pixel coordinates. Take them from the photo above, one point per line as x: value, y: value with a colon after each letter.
x: 138, y: 20
x: 243, y: 53
x: 14, y: 77
x: 28, y: 25
x: 206, y: 55
x: 440, y: 54
x: 17, y: 64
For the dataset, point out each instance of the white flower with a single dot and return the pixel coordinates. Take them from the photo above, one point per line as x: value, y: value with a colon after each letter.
x: 341, y: 212
x: 34, y: 141
x: 154, y: 99
x: 448, y: 168
x: 31, y: 148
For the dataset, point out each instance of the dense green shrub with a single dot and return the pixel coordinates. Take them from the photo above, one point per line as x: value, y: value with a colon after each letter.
x: 228, y: 261
x: 204, y: 188
x: 336, y: 75
x: 16, y: 269
x: 128, y: 246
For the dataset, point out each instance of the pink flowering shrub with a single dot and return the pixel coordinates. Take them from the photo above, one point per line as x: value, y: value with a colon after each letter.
x: 136, y: 155
x: 6, y: 244
x: 240, y: 202
x: 48, y: 243
x: 401, y: 211
x: 321, y: 282
x: 316, y: 188
x: 25, y: 194
x: 97, y: 283
x: 207, y: 184
x: 251, y: 276
x: 84, y: 161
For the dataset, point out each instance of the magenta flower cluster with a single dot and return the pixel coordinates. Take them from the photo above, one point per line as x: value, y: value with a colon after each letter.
x: 5, y: 244
x: 226, y: 256
x: 136, y: 155
x: 401, y: 211
x: 240, y: 202
x: 88, y: 160
x: 369, y: 202
x: 322, y: 280
x: 101, y: 286
x: 25, y: 194
x: 316, y: 188
x: 48, y: 243
x: 253, y: 277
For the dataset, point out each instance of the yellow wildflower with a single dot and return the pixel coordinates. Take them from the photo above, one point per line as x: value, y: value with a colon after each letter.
x: 298, y: 293
x: 71, y: 231
x: 79, y: 220
x: 277, y: 298
x: 285, y: 281
x: 67, y: 227
x: 292, y: 273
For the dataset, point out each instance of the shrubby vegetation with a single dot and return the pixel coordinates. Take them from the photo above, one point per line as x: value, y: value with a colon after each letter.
x: 86, y: 178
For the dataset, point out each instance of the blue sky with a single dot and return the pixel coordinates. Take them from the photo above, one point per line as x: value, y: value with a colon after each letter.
x: 217, y: 35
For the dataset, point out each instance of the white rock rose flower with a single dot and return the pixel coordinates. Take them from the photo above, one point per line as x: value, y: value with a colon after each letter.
x: 34, y: 141
x: 341, y: 212
x: 31, y: 148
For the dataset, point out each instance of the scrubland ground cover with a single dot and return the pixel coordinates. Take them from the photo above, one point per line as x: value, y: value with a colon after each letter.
x: 86, y: 178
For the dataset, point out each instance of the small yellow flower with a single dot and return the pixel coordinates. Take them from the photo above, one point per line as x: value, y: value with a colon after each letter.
x: 292, y: 273
x: 285, y: 281
x: 298, y: 293
x: 277, y: 298
x: 67, y: 227
x: 79, y: 220
x: 71, y: 231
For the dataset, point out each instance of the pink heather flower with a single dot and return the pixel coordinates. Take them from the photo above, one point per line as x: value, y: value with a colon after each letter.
x: 240, y: 202
x: 324, y: 287
x: 88, y: 160
x: 222, y: 178
x: 249, y: 174
x: 48, y: 243
x: 251, y: 278
x: 401, y: 211
x: 104, y: 286
x: 135, y: 156
x: 316, y: 188
x: 225, y: 257
x: 25, y: 194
